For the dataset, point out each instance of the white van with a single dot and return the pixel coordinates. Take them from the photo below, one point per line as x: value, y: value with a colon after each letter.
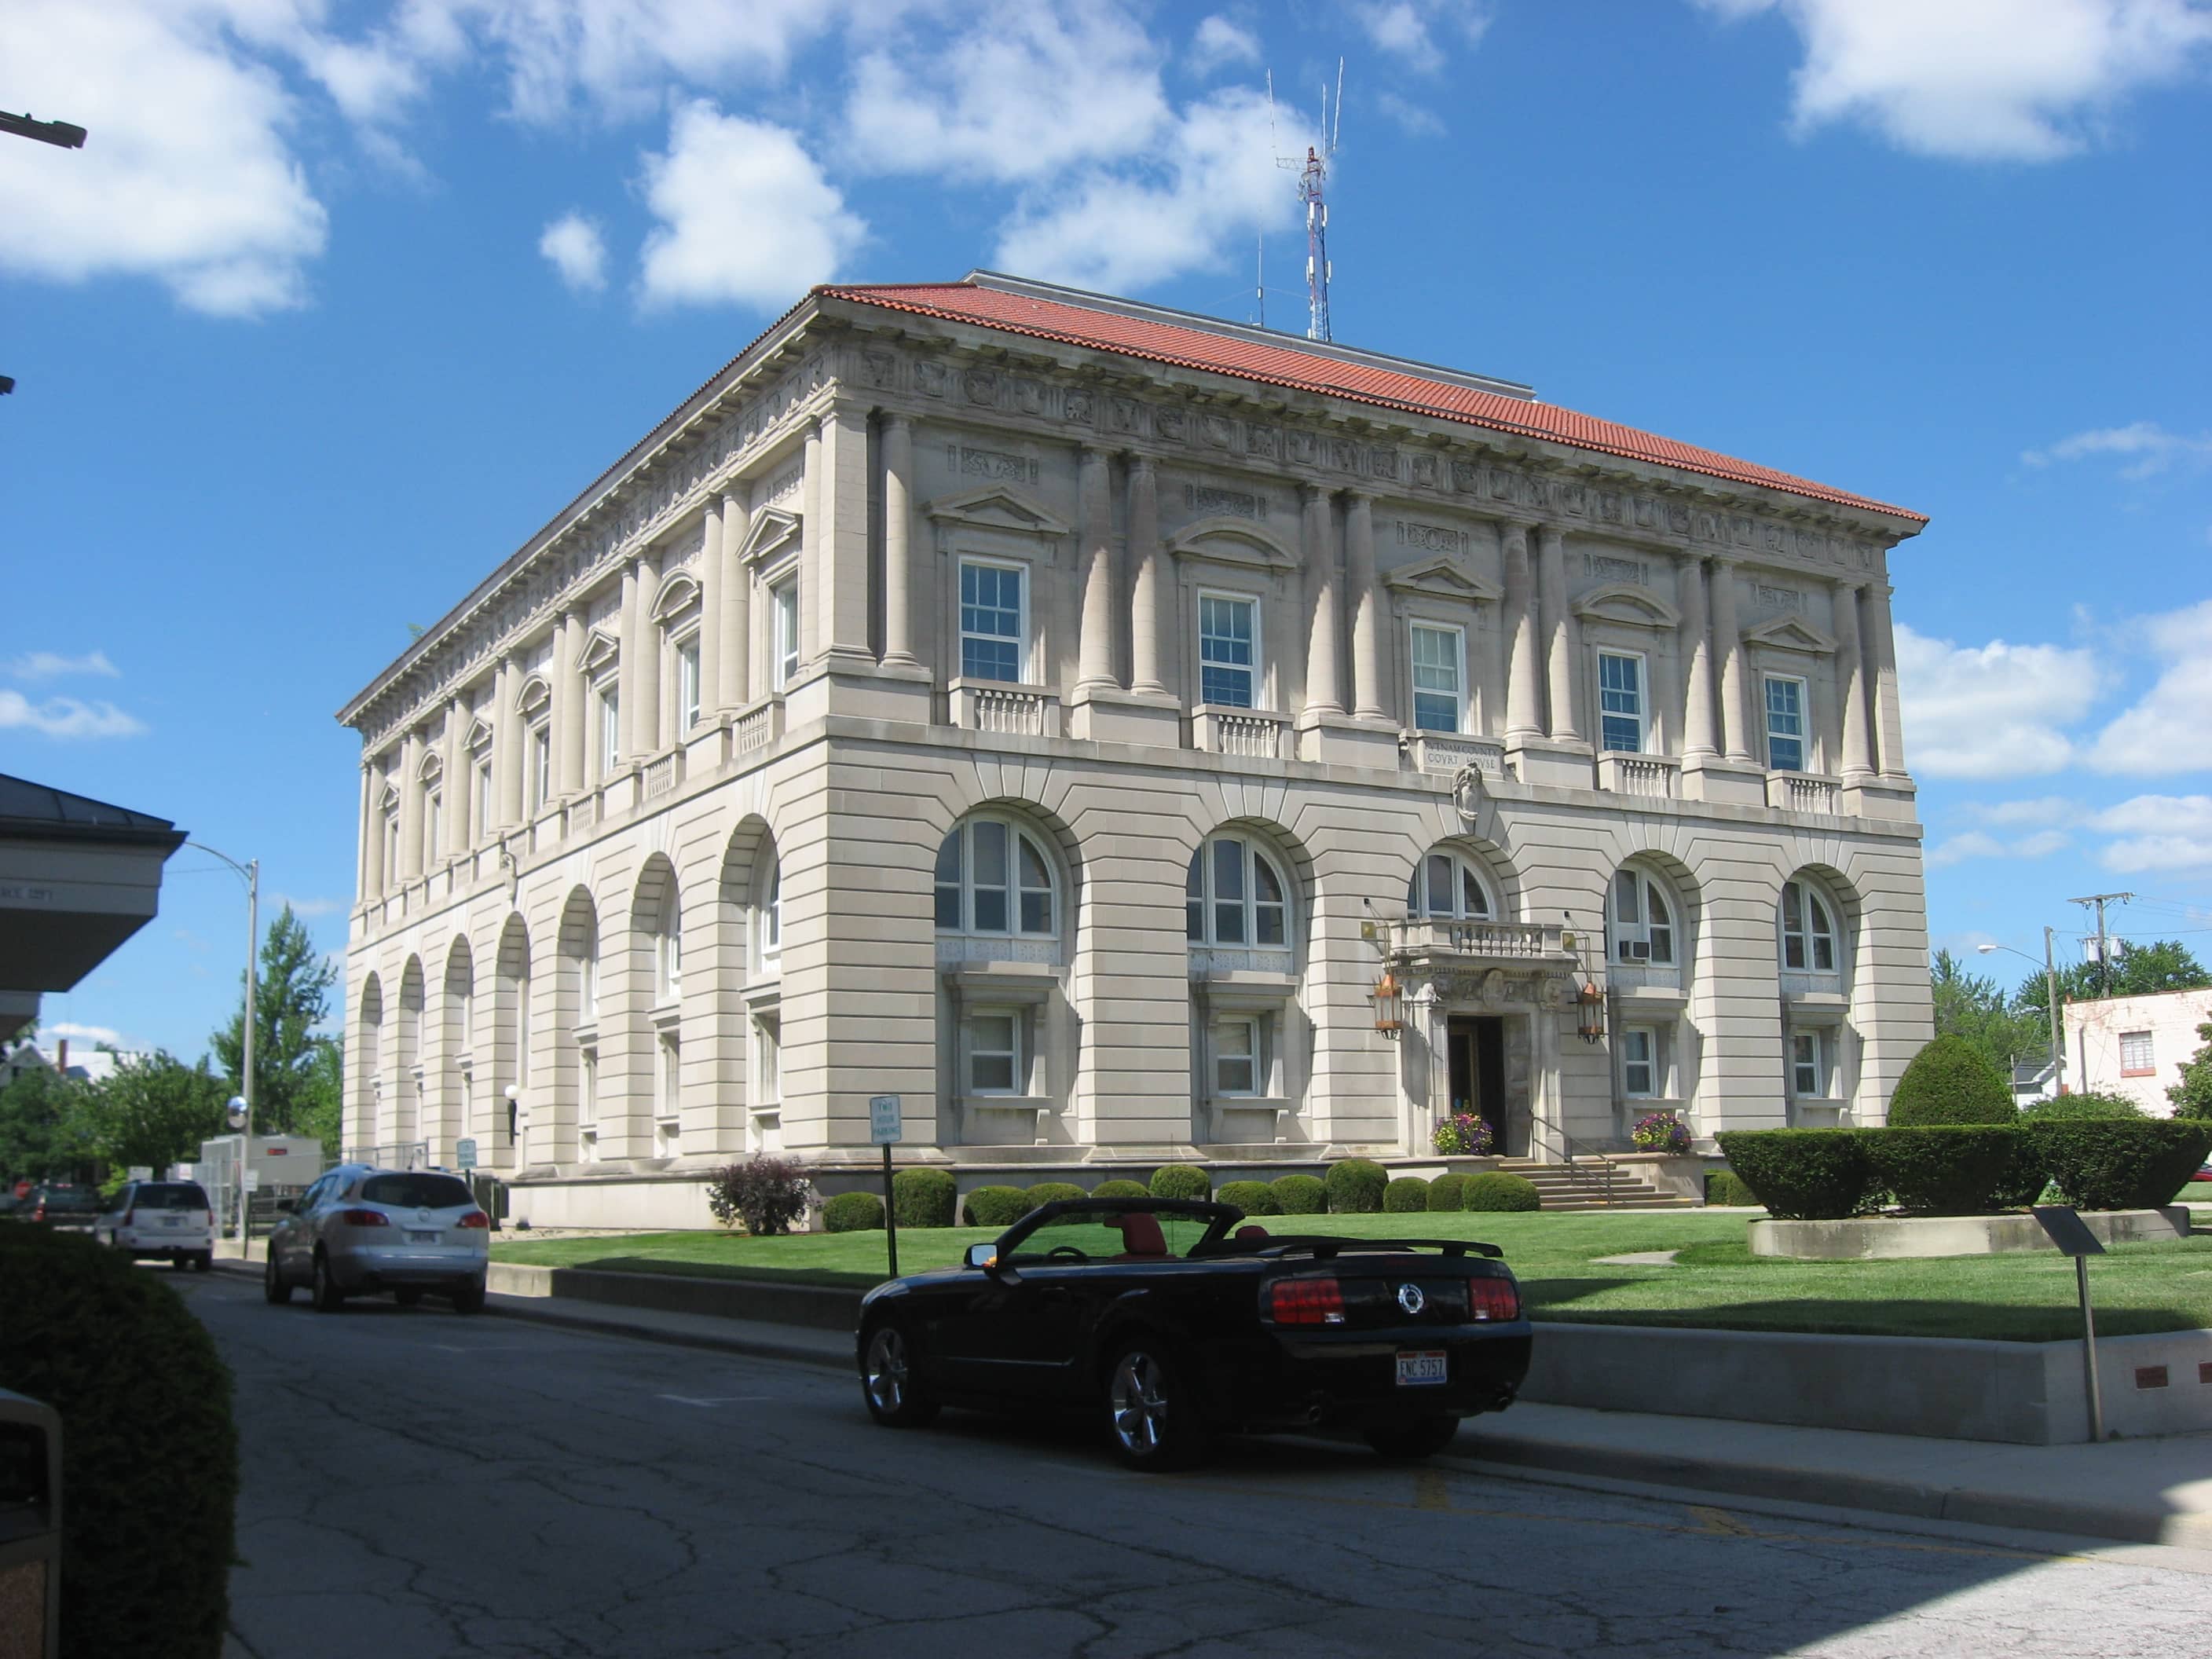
x: 160, y: 1218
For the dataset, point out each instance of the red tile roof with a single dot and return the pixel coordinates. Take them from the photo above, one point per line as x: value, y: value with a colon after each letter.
x: 1285, y: 364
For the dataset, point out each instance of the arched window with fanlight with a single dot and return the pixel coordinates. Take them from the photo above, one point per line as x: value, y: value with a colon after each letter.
x: 994, y: 879
x: 1445, y: 886
x: 1641, y: 923
x: 1235, y: 896
x: 1808, y: 929
x: 1239, y: 916
x: 1001, y: 912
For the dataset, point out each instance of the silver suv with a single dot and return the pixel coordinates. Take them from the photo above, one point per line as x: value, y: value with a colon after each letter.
x: 360, y: 1229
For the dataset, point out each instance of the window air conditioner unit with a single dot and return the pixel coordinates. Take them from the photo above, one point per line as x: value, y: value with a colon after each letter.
x: 1635, y: 949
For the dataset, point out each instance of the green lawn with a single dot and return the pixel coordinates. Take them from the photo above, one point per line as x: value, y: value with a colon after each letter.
x: 2024, y: 1298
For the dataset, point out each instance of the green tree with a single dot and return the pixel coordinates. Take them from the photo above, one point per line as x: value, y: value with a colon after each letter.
x: 42, y: 1126
x: 1973, y: 1009
x: 2192, y: 1095
x: 323, y: 1099
x: 292, y: 999
x: 2135, y: 970
x: 153, y: 1110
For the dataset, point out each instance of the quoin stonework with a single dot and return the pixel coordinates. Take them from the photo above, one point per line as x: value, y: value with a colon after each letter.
x: 1059, y: 711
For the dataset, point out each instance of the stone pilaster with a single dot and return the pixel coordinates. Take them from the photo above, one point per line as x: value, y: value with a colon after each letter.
x: 898, y: 535
x: 1521, y: 720
x: 1366, y: 609
x: 711, y: 577
x: 733, y: 677
x: 1700, y: 741
x: 1857, y: 758
x: 1562, y: 648
x: 1323, y: 645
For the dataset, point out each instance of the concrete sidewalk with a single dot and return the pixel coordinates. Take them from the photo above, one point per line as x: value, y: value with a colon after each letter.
x: 2146, y: 1492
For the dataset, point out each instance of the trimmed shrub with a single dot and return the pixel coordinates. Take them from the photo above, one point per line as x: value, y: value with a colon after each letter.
x: 764, y: 1195
x: 925, y: 1198
x: 1300, y: 1195
x: 1800, y: 1175
x: 1120, y: 1189
x: 149, y: 1454
x: 1406, y: 1195
x: 1181, y: 1180
x: 1052, y: 1192
x: 1941, y: 1169
x: 2088, y: 1107
x: 2113, y: 1165
x: 1949, y: 1082
x: 1253, y: 1197
x: 1355, y: 1187
x: 855, y: 1212
x: 997, y: 1206
x: 2025, y: 1177
x: 1448, y: 1192
x: 1722, y: 1186
x: 1495, y: 1191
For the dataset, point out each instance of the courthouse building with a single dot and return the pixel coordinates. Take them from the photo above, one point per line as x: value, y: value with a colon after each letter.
x: 1062, y: 712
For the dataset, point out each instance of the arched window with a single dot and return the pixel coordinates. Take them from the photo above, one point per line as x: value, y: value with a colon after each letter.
x: 768, y: 916
x: 1808, y: 929
x: 1234, y: 896
x: 1642, y: 920
x: 1445, y: 887
x: 992, y: 877
x: 668, y: 967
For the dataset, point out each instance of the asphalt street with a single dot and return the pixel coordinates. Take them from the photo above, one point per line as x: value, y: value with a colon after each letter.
x: 419, y: 1484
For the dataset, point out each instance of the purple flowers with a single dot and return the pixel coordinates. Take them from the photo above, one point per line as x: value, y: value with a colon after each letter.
x: 1661, y: 1131
x: 1461, y: 1135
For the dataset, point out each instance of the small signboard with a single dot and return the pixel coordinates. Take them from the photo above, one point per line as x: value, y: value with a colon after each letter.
x: 884, y: 1125
x: 2068, y: 1230
x: 465, y: 1154
x: 139, y: 1172
x: 253, y: 1181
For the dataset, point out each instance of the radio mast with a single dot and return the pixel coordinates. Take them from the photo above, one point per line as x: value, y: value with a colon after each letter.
x: 1313, y: 192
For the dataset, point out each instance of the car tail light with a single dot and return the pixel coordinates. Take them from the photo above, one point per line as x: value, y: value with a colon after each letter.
x: 474, y: 1218
x: 130, y: 1217
x: 364, y: 1219
x: 1493, y: 1298
x: 1306, y: 1301
x: 39, y: 1214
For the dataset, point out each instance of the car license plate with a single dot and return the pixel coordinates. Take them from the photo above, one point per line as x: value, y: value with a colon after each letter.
x: 1422, y: 1369
x: 172, y: 1221
x: 424, y: 1238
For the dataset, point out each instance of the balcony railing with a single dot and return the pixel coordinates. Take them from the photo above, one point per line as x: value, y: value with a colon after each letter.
x: 758, y: 726
x: 1802, y: 792
x: 1252, y: 733
x: 1447, y: 757
x: 1650, y: 777
x: 1477, y: 941
x: 663, y: 773
x: 1022, y: 711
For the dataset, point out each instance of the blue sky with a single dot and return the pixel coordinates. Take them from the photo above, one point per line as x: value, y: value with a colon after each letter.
x: 340, y: 303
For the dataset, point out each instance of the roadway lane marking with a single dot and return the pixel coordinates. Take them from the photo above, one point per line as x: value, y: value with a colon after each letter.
x: 1719, y: 1522
x: 718, y: 1400
x: 1431, y: 1491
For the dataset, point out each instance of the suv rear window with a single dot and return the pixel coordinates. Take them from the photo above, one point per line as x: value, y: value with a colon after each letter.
x: 170, y: 1196
x: 413, y: 1192
x: 71, y: 1197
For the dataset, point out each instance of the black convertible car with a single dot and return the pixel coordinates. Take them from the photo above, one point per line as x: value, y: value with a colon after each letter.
x: 1173, y: 1321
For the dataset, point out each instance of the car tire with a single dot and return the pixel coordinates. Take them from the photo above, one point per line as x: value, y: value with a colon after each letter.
x: 1152, y: 1414
x: 177, y: 1263
x: 328, y: 1298
x: 894, y: 1394
x: 469, y: 1298
x: 1409, y: 1442
x: 407, y: 1295
x: 202, y: 1260
x: 274, y: 1287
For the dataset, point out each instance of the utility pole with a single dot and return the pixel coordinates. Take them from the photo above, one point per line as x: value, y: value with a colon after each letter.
x: 2057, y: 1033
x: 63, y: 134
x: 2104, y: 961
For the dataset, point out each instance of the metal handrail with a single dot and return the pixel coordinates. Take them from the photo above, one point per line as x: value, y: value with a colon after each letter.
x: 1577, y: 1148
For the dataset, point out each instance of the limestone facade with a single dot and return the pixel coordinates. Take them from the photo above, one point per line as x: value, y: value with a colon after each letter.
x: 1065, y: 741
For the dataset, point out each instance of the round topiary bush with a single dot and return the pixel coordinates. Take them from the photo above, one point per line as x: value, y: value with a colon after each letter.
x: 1406, y: 1195
x: 1449, y: 1192
x: 1723, y: 1188
x: 855, y: 1212
x: 1949, y: 1082
x: 1120, y: 1189
x: 1495, y: 1190
x: 1941, y: 1169
x: 1300, y: 1195
x: 1181, y: 1180
x: 1800, y: 1175
x: 2087, y: 1107
x: 1253, y: 1197
x: 997, y: 1206
x: 2118, y: 1166
x: 149, y: 1454
x: 1052, y: 1192
x: 925, y: 1198
x: 1355, y: 1187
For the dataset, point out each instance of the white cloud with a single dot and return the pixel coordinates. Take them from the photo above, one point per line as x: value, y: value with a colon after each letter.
x: 1983, y: 80
x: 578, y: 251
x: 2151, y: 446
x: 2045, y: 808
x: 308, y: 906
x: 1991, y: 711
x: 76, y: 1033
x: 1980, y: 844
x: 1401, y: 28
x: 52, y: 666
x: 1220, y: 41
x: 187, y: 176
x: 66, y: 717
x: 746, y: 216
x: 1410, y: 116
x: 2157, y: 832
x: 2169, y: 729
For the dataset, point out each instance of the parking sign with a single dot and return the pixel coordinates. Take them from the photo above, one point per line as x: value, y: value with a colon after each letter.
x: 884, y: 1127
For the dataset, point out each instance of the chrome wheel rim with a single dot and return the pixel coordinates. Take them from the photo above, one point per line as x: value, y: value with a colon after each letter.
x: 1139, y: 1404
x: 887, y: 1370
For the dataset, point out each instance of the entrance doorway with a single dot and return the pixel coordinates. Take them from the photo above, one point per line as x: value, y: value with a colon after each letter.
x: 1474, y: 1056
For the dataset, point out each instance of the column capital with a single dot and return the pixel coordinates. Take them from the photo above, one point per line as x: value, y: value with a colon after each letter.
x: 893, y: 421
x: 1311, y: 492
x: 1091, y: 451
x: 1357, y: 494
x: 1140, y: 463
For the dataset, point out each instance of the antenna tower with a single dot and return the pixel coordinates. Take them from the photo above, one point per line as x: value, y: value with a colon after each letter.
x: 1313, y: 186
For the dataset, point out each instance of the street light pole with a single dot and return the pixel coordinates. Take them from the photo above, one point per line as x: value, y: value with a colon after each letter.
x: 251, y: 871
x: 2050, y: 992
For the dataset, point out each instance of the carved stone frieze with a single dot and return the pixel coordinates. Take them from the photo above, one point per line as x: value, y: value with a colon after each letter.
x: 1208, y: 500
x: 1605, y: 567
x: 1079, y: 406
x: 1776, y: 600
x: 991, y: 463
x: 1432, y: 538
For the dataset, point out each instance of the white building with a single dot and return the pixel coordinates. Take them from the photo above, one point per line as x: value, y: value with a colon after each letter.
x: 1051, y: 709
x: 2135, y: 1045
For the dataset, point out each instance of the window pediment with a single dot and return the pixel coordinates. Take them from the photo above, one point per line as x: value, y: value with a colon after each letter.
x: 389, y: 801
x: 1224, y: 540
x: 479, y: 734
x: 535, y: 695
x: 998, y: 507
x: 1443, y: 578
x: 773, y: 532
x: 601, y: 651
x: 678, y: 594
x: 432, y: 767
x: 1625, y: 603
x: 1789, y: 634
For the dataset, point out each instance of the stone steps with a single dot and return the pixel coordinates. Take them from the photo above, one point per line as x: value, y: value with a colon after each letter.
x: 1582, y: 1187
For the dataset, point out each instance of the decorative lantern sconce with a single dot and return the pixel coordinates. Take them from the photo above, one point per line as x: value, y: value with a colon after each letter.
x: 1590, y: 1006
x: 1389, y: 1006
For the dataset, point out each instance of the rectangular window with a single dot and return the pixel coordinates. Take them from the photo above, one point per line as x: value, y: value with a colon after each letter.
x: 1809, y: 1066
x: 994, y: 1057
x: 521, y: 1031
x: 1439, y: 656
x: 1785, y: 724
x: 432, y: 842
x: 1620, y: 702
x: 992, y: 623
x: 1237, y: 1068
x: 1640, y: 1061
x: 541, y: 767
x: 783, y: 610
x: 390, y: 853
x: 2135, y: 1056
x: 667, y: 1094
x: 610, y: 729
x: 486, y: 816
x: 768, y: 1075
x: 588, y: 1086
x: 687, y: 686
x: 1228, y: 650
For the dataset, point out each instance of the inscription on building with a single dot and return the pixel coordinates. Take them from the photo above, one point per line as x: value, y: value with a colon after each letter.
x: 991, y: 463
x: 1777, y: 599
x: 1605, y: 568
x: 1208, y: 500
x: 1431, y: 538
